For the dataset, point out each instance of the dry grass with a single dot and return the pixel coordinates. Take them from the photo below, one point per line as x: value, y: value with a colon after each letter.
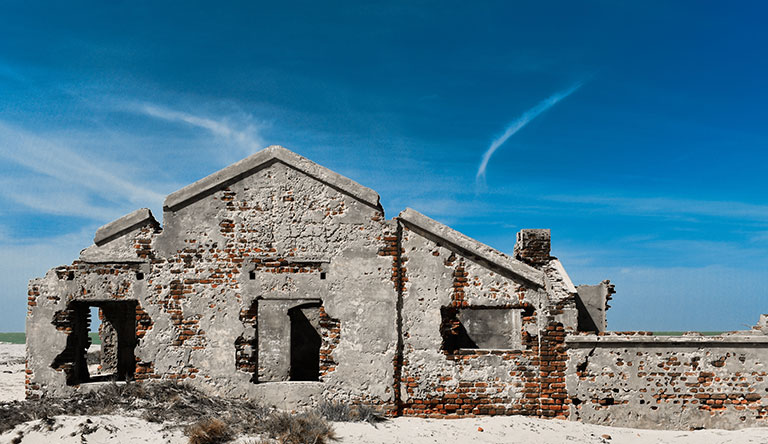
x: 209, y: 431
x: 155, y: 402
x: 340, y: 412
x: 180, y: 404
x: 301, y: 428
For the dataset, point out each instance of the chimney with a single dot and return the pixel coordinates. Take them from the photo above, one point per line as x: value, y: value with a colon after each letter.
x: 533, y: 246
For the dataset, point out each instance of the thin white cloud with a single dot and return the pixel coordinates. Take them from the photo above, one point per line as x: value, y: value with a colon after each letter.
x: 520, y: 123
x: 248, y: 137
x: 665, y: 206
x: 50, y: 197
x: 67, y: 182
x: 24, y: 259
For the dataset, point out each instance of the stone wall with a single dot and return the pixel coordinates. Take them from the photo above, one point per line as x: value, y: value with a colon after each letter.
x: 278, y: 237
x: 446, y: 371
x: 639, y: 380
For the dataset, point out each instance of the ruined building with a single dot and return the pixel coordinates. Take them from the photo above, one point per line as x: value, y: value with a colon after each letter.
x: 281, y: 281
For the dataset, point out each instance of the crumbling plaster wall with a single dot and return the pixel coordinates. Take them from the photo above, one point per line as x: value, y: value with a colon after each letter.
x: 685, y: 382
x: 49, y: 314
x: 443, y: 383
x: 198, y: 287
x: 255, y: 225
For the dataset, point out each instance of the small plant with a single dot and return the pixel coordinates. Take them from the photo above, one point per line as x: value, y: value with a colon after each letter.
x: 367, y: 414
x: 335, y: 411
x: 301, y: 428
x: 339, y: 412
x: 209, y: 431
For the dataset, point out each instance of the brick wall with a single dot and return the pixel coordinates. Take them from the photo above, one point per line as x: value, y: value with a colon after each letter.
x: 441, y: 382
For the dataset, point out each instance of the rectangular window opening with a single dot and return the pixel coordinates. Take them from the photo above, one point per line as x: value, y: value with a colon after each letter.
x: 488, y: 328
x: 101, y: 342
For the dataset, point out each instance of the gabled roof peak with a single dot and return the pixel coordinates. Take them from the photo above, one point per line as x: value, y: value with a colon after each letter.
x: 262, y: 159
x: 468, y: 245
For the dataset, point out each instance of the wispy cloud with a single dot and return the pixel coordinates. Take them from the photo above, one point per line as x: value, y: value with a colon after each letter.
x: 67, y: 182
x: 23, y: 259
x: 247, y: 135
x: 519, y: 123
x: 670, y: 207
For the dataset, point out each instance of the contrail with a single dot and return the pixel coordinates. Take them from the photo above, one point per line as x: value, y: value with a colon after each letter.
x: 520, y: 122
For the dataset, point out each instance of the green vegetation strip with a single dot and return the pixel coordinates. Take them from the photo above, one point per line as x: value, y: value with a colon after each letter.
x: 19, y: 338
x: 13, y: 338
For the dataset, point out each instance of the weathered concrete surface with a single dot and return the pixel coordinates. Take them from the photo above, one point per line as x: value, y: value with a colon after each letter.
x: 668, y: 382
x: 471, y: 247
x: 273, y: 231
x: 444, y: 371
x: 264, y: 159
x: 592, y: 303
x: 124, y: 225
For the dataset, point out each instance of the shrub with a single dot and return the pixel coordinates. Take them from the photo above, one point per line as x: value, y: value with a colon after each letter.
x: 156, y: 402
x: 367, y: 414
x: 339, y: 412
x: 209, y: 431
x: 301, y: 428
x: 335, y: 411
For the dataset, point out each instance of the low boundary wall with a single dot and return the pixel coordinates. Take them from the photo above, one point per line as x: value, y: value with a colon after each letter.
x: 683, y: 382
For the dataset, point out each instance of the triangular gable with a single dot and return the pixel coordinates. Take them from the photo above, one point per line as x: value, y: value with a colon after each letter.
x: 466, y: 244
x: 262, y: 159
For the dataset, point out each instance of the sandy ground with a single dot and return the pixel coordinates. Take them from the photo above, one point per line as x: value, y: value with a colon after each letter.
x: 484, y: 430
x: 12, y: 372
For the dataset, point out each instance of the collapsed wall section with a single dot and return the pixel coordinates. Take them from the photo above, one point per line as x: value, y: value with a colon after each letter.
x: 59, y: 320
x: 645, y: 381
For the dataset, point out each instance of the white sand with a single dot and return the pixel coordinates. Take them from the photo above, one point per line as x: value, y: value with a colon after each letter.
x: 520, y: 429
x: 508, y: 430
x: 12, y: 358
x: 92, y: 429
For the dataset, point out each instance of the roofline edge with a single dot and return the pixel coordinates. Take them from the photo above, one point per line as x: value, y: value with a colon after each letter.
x: 464, y: 242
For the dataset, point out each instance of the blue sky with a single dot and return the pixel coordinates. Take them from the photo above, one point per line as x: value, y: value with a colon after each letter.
x: 635, y: 131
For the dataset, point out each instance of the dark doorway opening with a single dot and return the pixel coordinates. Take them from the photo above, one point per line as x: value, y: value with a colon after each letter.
x: 305, y: 343
x: 117, y: 361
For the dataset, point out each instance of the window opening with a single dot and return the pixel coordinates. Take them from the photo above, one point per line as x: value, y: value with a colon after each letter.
x: 113, y: 325
x: 495, y: 328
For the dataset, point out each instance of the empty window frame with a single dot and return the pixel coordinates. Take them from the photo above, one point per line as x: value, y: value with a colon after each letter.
x: 492, y: 328
x: 116, y: 360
